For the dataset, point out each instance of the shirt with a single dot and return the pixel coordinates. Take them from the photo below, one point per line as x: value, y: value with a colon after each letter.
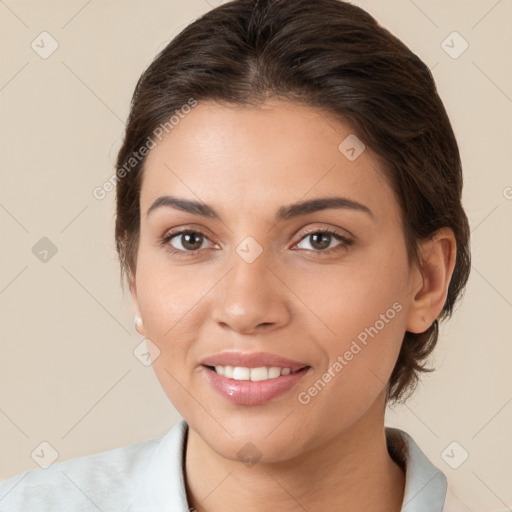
x: 148, y: 476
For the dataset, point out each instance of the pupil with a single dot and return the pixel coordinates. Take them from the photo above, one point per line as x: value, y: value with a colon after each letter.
x: 324, y: 240
x: 190, y: 245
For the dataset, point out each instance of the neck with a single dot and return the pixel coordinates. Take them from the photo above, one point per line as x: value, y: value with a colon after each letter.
x: 351, y: 472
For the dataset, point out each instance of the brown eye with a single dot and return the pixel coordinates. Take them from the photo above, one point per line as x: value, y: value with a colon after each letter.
x: 184, y: 241
x: 322, y: 240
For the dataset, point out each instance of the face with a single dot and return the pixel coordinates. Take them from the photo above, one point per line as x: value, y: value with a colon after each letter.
x: 327, y: 286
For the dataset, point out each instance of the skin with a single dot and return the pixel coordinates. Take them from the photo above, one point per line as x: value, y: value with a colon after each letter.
x: 329, y: 454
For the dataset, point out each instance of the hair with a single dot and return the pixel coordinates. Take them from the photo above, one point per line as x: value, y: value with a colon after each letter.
x: 334, y: 56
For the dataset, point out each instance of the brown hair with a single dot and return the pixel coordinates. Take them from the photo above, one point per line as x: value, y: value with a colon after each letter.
x: 331, y: 55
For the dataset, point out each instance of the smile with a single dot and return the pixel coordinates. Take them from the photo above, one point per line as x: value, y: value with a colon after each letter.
x: 252, y: 374
x: 252, y: 386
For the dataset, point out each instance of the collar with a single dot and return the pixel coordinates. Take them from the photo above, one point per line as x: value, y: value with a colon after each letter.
x: 425, y: 485
x: 161, y: 487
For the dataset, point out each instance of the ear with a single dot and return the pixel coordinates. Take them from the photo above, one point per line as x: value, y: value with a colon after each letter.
x: 133, y: 292
x: 431, y: 280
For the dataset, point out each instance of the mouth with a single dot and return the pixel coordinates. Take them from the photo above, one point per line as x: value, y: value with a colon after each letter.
x: 260, y: 373
x: 252, y: 386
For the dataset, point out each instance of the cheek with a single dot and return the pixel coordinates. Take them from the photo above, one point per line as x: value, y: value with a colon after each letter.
x: 346, y: 299
x: 167, y: 294
x: 166, y: 300
x: 172, y: 302
x: 363, y: 306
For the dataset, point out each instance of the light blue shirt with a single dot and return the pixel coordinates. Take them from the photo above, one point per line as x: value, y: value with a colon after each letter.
x: 148, y: 477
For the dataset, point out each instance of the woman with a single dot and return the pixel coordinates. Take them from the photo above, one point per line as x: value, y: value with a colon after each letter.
x: 289, y: 222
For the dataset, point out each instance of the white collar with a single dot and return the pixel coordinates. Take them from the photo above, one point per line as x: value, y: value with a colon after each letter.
x: 162, y: 484
x: 425, y: 485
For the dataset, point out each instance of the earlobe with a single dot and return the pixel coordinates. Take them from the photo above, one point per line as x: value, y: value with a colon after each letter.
x: 437, y: 256
x: 139, y: 325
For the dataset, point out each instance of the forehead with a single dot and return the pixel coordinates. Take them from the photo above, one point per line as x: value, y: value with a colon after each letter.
x: 277, y: 153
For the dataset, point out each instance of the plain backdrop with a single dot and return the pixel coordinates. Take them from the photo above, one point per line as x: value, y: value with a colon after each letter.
x: 68, y: 373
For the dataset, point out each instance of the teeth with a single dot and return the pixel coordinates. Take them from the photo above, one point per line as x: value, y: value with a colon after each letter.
x: 253, y: 374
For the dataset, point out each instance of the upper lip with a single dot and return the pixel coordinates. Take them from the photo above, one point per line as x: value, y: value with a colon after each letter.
x: 251, y: 360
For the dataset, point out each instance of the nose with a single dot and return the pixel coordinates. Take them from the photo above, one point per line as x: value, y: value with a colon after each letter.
x: 251, y: 298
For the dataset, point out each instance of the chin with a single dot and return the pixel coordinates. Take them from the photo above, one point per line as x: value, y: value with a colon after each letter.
x: 253, y: 449
x: 266, y: 438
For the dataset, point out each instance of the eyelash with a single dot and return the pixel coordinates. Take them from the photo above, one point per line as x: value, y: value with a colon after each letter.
x: 346, y: 242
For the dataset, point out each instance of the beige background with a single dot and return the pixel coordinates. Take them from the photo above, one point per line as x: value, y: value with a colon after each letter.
x: 68, y: 374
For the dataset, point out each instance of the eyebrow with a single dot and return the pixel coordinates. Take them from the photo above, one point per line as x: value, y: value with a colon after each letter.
x: 284, y: 213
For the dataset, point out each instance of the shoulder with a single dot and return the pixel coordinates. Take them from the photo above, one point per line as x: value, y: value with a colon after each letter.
x: 91, y: 482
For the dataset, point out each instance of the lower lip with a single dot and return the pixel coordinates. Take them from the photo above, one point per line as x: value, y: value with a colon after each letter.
x: 247, y: 392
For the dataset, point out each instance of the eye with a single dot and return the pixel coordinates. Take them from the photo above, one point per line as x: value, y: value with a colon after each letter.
x: 188, y: 242
x: 321, y: 241
x: 185, y: 241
